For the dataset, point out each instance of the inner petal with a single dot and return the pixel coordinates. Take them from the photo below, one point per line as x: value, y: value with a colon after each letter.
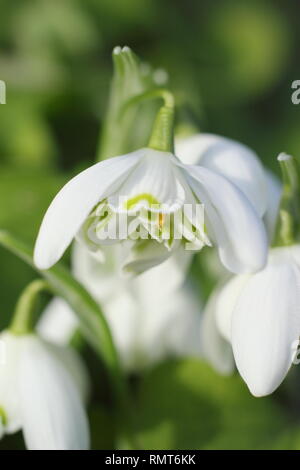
x: 153, y: 185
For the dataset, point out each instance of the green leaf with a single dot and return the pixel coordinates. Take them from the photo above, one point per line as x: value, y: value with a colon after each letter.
x: 186, y: 405
x: 103, y: 432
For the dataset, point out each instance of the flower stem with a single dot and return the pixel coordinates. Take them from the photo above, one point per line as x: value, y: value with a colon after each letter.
x: 162, y: 137
x: 23, y: 318
x: 289, y: 211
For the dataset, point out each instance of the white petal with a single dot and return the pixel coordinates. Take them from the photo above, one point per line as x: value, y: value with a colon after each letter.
x: 167, y: 276
x: 98, y: 277
x: 141, y: 256
x: 124, y: 316
x: 73, y: 363
x: 116, y: 295
x: 226, y: 301
x: 10, y: 353
x: 214, y: 347
x: 229, y: 158
x: 58, y: 322
x: 266, y: 325
x: 73, y: 203
x: 181, y: 334
x: 171, y: 323
x: 154, y: 182
x: 274, y: 190
x: 234, y: 224
x: 52, y: 410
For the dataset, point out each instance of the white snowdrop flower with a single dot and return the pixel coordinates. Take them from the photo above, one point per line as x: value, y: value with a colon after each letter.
x: 266, y: 322
x: 39, y: 395
x: 151, y: 316
x: 159, y: 194
x: 259, y: 314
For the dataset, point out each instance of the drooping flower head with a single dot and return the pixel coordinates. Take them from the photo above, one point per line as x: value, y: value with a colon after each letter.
x: 165, y: 204
x: 39, y: 395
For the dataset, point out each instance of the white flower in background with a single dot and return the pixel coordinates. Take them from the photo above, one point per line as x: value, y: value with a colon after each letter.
x: 150, y: 183
x: 151, y: 316
x: 41, y: 392
x: 259, y: 314
x: 228, y: 158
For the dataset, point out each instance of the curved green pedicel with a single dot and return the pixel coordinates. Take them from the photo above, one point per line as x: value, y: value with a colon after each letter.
x: 3, y: 417
x: 130, y: 203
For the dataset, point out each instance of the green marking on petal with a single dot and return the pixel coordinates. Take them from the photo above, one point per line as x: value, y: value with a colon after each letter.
x: 130, y: 203
x: 3, y: 417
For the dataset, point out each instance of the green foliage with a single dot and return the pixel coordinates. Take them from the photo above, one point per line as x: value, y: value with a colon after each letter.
x: 230, y: 65
x: 23, y: 198
x: 186, y: 405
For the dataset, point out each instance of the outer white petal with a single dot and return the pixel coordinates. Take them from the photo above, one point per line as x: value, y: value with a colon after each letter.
x: 274, y: 190
x: 52, y: 410
x: 181, y: 332
x: 73, y: 203
x: 10, y: 352
x: 124, y: 315
x: 226, y: 301
x: 232, y: 221
x: 266, y: 325
x: 170, y: 320
x: 214, y: 347
x: 100, y: 278
x: 58, y: 322
x: 73, y: 363
x: 229, y: 158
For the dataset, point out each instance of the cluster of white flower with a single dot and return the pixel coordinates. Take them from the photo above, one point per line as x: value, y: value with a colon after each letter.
x: 256, y: 312
x: 251, y: 320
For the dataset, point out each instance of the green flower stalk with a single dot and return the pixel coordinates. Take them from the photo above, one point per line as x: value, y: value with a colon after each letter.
x: 23, y: 318
x: 288, y: 223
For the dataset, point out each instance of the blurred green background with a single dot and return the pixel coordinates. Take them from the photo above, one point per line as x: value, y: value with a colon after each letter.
x: 230, y: 64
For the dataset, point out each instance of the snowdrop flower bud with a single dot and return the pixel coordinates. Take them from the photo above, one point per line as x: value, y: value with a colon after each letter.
x: 39, y: 395
x: 266, y: 322
x: 163, y: 199
x: 259, y: 316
